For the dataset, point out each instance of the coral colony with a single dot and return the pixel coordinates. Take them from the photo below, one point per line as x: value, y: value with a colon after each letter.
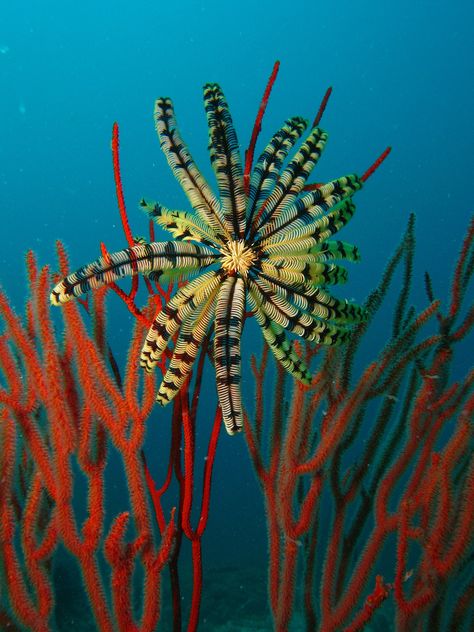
x: 365, y: 468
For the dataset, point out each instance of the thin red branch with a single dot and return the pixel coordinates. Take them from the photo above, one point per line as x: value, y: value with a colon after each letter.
x: 118, y: 185
x: 322, y: 107
x: 257, y: 127
x: 376, y: 164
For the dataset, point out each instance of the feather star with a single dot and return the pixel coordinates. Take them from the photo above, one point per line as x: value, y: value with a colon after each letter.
x: 266, y: 250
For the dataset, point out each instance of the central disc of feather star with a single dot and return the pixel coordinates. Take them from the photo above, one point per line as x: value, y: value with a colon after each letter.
x: 263, y: 248
x: 237, y: 258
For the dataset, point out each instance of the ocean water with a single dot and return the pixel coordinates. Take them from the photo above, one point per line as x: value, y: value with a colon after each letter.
x: 401, y: 74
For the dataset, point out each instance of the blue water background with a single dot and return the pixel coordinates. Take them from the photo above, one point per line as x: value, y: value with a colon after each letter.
x: 402, y: 75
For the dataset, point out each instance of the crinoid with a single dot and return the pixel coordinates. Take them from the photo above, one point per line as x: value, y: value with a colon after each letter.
x: 262, y: 244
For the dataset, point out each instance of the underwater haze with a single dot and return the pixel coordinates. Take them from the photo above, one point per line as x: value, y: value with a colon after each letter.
x: 402, y: 76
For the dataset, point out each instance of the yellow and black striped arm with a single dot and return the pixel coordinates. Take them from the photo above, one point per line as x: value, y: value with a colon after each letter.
x: 187, y: 346
x: 338, y: 310
x: 309, y: 249
x: 156, y: 258
x: 186, y: 301
x: 199, y: 193
x: 307, y: 208
x: 225, y: 159
x: 292, y: 179
x: 333, y: 251
x: 295, y: 272
x: 182, y: 225
x: 227, y: 360
x: 312, y: 233
x: 316, y: 302
x: 294, y: 319
x: 267, y: 169
x: 279, y: 343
